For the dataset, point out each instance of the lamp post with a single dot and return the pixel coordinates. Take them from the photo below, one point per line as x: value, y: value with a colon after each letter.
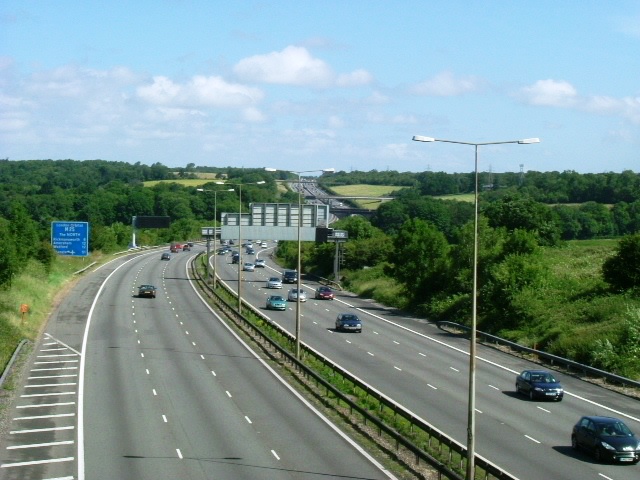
x: 299, y: 267
x: 215, y: 235
x: 471, y: 415
x: 240, y: 185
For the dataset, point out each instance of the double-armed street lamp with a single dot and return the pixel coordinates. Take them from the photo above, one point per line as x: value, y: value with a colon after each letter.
x: 299, y: 268
x: 470, y: 471
x: 215, y: 229
x: 240, y: 185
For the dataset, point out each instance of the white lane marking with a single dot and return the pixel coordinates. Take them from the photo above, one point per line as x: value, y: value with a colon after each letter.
x: 164, y: 418
x: 454, y: 369
x: 34, y: 417
x: 36, y: 462
x: 39, y: 445
x: 371, y: 354
x: 275, y: 454
x: 41, y: 405
x: 495, y: 388
x: 35, y: 430
x: 532, y: 439
x: 179, y: 453
x: 431, y: 386
x: 46, y: 394
x: 52, y: 376
x: 51, y: 385
x: 397, y: 368
x: 247, y: 419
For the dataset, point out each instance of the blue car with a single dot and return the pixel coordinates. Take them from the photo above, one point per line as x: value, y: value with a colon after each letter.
x: 539, y: 384
x: 276, y: 302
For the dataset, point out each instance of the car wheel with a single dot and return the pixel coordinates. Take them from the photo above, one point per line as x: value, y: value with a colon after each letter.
x: 531, y: 396
x: 517, y: 388
x: 574, y: 443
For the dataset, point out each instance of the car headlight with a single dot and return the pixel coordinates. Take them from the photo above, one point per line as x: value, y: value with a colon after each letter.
x: 607, y: 446
x: 538, y: 389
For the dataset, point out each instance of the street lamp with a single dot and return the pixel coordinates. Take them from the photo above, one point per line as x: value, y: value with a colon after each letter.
x: 299, y: 268
x: 471, y: 421
x: 215, y: 217
x: 239, y: 185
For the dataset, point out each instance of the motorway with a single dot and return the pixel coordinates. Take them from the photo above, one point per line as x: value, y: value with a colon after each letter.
x: 140, y: 388
x: 426, y: 370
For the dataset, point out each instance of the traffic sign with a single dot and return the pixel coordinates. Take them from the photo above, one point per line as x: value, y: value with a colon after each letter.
x: 70, y: 238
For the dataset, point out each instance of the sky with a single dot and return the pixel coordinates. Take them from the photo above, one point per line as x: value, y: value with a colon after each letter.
x: 303, y: 85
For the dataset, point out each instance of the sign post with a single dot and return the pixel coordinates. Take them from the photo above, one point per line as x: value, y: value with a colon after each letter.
x: 70, y: 238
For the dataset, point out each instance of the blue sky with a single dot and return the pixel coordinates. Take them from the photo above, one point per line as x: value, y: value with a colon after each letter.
x: 301, y: 85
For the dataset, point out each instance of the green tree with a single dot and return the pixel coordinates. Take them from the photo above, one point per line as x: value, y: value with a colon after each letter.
x: 420, y: 259
x: 9, y: 262
x: 622, y: 270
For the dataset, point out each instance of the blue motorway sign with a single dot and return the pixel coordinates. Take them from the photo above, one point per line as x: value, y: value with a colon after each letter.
x: 70, y: 238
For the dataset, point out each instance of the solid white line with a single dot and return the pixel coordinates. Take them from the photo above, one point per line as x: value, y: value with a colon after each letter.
x: 532, y: 439
x: 85, y: 339
x: 36, y: 462
x: 41, y: 405
x: 57, y: 361
x: 52, y: 369
x: 294, y: 392
x: 46, y: 416
x: 38, y: 445
x: 46, y: 394
x: 34, y: 430
x: 53, y: 376
x: 56, y: 356
x: 50, y: 385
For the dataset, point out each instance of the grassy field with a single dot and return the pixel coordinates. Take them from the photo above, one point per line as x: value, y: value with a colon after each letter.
x: 187, y: 182
x: 36, y: 289
x: 365, y: 191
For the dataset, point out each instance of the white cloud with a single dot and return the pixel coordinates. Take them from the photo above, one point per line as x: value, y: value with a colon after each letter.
x: 291, y: 66
x: 200, y: 91
x: 445, y: 84
x: 550, y: 93
x: 562, y: 94
x: 253, y: 115
x: 354, y: 79
x: 295, y: 66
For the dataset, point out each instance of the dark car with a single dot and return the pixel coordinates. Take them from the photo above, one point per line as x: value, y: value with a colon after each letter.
x: 348, y: 322
x: 539, y: 384
x: 607, y: 439
x: 165, y: 256
x: 235, y: 257
x: 289, y: 276
x: 147, y: 291
x: 324, y: 293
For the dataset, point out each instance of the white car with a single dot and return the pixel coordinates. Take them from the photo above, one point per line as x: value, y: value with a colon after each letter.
x: 260, y: 263
x: 263, y: 245
x: 293, y: 295
x: 249, y: 267
x: 274, y: 282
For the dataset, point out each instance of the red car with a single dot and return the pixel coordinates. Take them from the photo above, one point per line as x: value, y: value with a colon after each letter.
x: 324, y: 293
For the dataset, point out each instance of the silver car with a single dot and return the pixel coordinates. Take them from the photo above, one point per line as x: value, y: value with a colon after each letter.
x: 274, y: 282
x: 293, y: 295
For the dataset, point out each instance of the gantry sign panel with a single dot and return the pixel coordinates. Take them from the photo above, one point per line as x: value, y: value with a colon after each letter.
x: 275, y: 221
